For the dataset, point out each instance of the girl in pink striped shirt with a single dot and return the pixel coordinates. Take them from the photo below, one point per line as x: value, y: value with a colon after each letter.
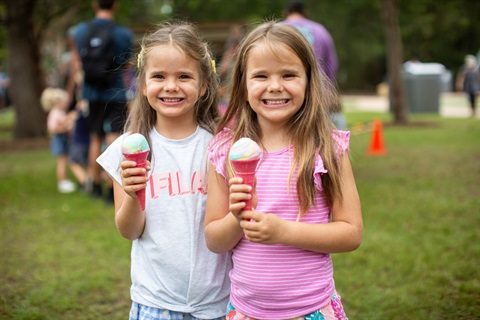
x: 306, y: 204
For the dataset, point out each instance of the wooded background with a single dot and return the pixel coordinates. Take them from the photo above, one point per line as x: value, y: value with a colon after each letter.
x: 32, y: 37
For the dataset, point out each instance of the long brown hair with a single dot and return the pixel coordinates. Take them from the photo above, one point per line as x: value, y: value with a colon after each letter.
x: 187, y: 38
x: 310, y: 129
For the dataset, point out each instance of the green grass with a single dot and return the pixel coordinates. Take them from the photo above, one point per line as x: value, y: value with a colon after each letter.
x: 421, y: 207
x: 6, y: 123
x: 62, y: 257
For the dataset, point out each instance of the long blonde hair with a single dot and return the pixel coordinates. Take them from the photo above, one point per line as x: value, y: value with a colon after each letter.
x: 310, y: 129
x: 186, y: 37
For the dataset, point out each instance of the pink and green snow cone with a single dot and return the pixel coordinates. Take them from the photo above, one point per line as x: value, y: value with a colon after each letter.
x: 244, y: 156
x: 135, y: 148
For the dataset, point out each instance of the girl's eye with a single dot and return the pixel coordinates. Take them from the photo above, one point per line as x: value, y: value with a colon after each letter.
x: 184, y: 76
x: 289, y: 75
x: 158, y: 76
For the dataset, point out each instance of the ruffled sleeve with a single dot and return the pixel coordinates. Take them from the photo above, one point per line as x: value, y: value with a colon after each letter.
x: 218, y: 150
x: 342, y: 145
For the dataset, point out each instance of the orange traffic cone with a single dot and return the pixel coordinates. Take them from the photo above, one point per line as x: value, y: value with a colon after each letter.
x: 376, y: 142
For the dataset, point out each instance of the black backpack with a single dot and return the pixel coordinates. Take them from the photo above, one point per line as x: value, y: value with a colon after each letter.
x: 98, y: 53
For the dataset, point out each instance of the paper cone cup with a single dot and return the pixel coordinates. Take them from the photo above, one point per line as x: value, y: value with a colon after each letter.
x: 141, y: 159
x: 245, y: 169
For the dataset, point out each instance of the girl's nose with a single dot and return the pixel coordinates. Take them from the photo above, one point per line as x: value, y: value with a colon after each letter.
x: 171, y: 85
x: 275, y: 85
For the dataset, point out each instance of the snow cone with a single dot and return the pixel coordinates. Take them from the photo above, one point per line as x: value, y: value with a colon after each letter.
x: 135, y: 148
x: 244, y: 156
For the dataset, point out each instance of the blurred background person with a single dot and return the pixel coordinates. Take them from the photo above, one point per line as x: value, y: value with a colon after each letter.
x: 80, y: 140
x: 4, y: 102
x: 468, y: 81
x: 60, y: 122
x: 107, y: 99
x: 226, y: 64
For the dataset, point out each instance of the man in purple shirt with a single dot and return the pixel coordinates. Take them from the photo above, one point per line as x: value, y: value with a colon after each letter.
x: 323, y: 46
x: 317, y: 35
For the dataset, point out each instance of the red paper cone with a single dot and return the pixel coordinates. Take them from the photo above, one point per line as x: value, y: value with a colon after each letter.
x: 245, y: 169
x: 141, y: 159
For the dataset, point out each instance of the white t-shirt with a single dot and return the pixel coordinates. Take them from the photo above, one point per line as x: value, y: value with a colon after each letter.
x: 171, y: 266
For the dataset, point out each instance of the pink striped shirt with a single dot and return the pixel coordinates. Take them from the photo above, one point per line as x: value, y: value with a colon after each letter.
x: 279, y: 281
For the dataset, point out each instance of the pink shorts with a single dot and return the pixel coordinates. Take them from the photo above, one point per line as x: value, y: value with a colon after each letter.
x: 332, y: 311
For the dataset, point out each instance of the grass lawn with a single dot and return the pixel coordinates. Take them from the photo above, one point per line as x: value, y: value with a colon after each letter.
x: 62, y: 257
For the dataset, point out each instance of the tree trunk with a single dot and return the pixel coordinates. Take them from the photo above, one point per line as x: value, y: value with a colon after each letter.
x: 398, y: 102
x: 24, y: 69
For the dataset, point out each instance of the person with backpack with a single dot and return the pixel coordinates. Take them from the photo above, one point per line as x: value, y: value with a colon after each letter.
x: 103, y: 48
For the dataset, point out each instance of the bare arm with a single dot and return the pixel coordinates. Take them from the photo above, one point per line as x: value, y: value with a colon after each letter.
x: 222, y: 221
x: 129, y: 218
x: 342, y: 234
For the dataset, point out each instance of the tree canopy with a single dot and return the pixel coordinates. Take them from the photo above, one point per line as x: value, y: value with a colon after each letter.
x: 431, y: 30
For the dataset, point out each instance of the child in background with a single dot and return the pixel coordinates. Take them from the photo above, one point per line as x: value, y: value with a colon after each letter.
x: 306, y: 205
x: 174, y: 275
x: 55, y: 101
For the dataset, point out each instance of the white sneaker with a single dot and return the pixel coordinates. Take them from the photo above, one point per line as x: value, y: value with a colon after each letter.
x: 66, y: 186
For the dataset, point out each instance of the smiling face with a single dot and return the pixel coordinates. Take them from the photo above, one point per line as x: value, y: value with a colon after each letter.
x: 276, y: 83
x: 172, y: 83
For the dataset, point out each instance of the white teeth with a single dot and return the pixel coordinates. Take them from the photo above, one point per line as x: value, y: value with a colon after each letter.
x: 171, y: 100
x: 275, y: 102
